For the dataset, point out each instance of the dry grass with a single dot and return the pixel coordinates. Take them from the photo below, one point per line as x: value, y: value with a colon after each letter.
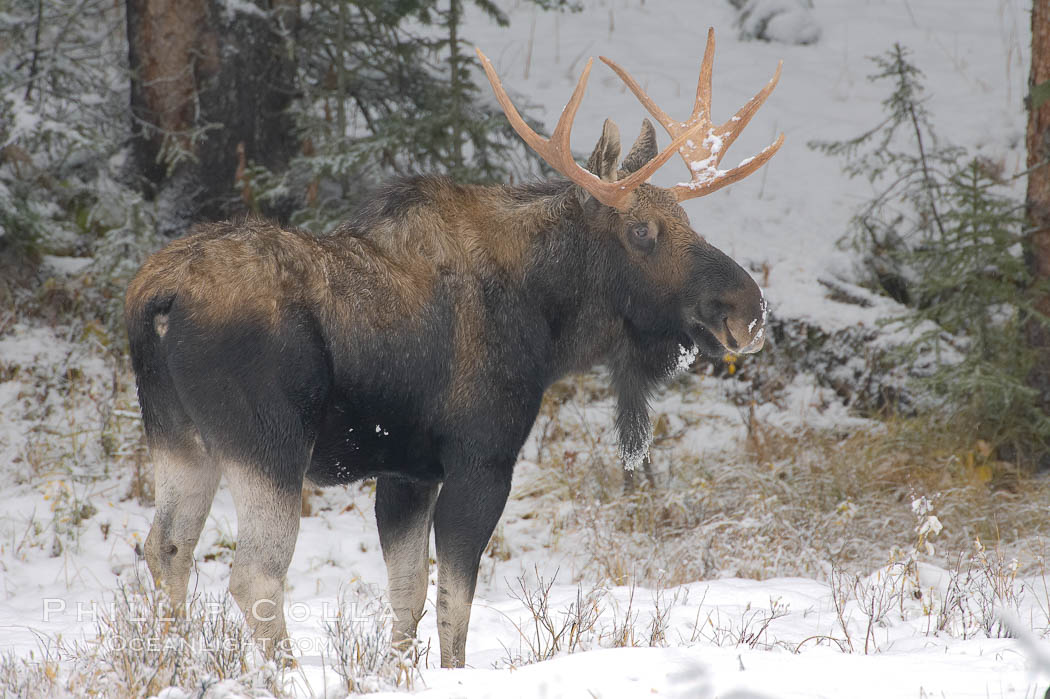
x: 80, y: 433
x: 779, y: 502
x: 978, y: 595
x: 593, y: 618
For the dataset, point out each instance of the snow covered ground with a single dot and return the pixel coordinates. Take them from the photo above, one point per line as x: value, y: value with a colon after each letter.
x: 69, y: 533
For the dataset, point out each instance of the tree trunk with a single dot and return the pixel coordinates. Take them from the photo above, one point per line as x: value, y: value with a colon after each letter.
x: 209, y: 84
x: 455, y: 87
x: 1038, y: 197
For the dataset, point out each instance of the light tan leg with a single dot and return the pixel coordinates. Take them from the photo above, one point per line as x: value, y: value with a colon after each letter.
x: 454, y: 598
x: 184, y: 484
x: 267, y: 527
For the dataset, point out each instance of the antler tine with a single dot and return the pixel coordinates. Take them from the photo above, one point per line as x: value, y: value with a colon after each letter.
x: 732, y: 128
x: 700, y: 143
x: 560, y: 135
x: 539, y: 144
x: 702, y: 105
x: 703, y: 160
x: 703, y: 85
x: 704, y: 143
x: 556, y: 151
x: 680, y: 133
x: 660, y: 115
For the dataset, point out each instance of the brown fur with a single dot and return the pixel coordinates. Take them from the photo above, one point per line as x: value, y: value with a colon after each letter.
x: 469, y: 229
x: 256, y: 269
x: 473, y: 231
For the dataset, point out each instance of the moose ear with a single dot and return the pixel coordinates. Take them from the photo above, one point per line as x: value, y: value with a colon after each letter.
x: 643, y: 150
x: 602, y: 162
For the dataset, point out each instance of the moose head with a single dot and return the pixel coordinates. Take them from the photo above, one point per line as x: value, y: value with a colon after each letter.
x: 718, y: 302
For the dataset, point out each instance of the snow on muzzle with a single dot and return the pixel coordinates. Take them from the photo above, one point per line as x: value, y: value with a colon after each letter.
x: 745, y: 333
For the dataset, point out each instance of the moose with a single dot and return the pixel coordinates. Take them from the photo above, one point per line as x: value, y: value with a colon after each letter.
x: 414, y: 344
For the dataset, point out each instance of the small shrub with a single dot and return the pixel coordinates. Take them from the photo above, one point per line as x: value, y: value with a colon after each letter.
x: 360, y: 652
x: 552, y: 633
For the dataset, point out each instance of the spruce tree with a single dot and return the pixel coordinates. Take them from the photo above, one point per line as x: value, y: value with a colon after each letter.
x: 943, y: 236
x: 903, y: 158
x: 388, y: 88
x: 63, y: 92
x: 971, y: 283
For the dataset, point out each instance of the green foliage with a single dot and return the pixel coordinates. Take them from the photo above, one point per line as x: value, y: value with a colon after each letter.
x: 63, y: 128
x: 22, y: 223
x: 943, y: 236
x: 386, y: 87
x: 971, y: 283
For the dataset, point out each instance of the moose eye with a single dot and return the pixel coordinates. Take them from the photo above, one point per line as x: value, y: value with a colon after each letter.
x: 643, y: 235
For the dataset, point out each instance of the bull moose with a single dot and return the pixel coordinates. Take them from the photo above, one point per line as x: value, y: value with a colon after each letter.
x: 414, y: 345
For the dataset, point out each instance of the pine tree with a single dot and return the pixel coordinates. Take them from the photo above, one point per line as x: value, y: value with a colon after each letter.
x: 971, y: 283
x: 64, y: 127
x: 211, y: 84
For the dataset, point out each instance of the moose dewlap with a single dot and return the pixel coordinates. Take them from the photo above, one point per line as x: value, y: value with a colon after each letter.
x: 414, y: 346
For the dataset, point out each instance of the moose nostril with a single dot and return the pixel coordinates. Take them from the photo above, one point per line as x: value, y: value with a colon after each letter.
x: 733, y: 344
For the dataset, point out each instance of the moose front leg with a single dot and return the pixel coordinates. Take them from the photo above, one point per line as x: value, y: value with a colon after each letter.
x: 471, y: 501
x: 404, y: 511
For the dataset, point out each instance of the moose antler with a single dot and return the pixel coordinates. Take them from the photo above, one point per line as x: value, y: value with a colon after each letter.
x: 707, y: 144
x: 702, y: 160
x: 556, y: 150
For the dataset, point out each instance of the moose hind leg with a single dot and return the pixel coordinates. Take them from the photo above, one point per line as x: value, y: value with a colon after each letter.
x: 404, y: 512
x: 267, y: 526
x: 467, y: 511
x: 184, y: 486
